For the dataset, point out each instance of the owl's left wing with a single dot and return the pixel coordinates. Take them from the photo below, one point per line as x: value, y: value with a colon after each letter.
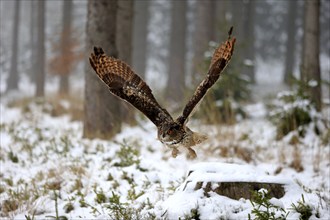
x: 220, y: 59
x: 124, y: 83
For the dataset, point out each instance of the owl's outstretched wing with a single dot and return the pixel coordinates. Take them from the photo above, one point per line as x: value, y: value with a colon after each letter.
x: 124, y: 83
x: 220, y: 59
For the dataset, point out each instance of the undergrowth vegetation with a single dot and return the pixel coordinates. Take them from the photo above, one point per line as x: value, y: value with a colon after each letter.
x: 64, y: 176
x: 57, y: 105
x: 264, y: 207
x: 267, y: 208
x: 50, y: 171
x: 293, y: 111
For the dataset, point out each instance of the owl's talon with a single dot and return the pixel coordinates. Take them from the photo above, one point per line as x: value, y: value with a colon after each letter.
x: 175, y: 152
x: 191, y: 153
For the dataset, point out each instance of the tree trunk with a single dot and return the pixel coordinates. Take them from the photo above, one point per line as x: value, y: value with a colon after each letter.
x: 248, y: 34
x: 221, y: 24
x: 237, y: 7
x: 303, y: 49
x: 310, y: 71
x: 12, y: 80
x: 124, y: 30
x: 102, y: 110
x: 124, y: 45
x: 33, y: 29
x: 290, y: 43
x: 204, y: 32
x: 176, y: 74
x: 40, y: 63
x: 140, y: 32
x: 66, y: 45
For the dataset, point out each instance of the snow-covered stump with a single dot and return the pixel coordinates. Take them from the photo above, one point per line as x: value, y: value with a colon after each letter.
x: 232, y: 180
x: 221, y: 191
x: 238, y: 190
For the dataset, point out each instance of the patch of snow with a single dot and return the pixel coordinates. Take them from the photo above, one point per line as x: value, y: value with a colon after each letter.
x: 312, y: 83
x: 257, y: 110
x: 224, y: 172
x: 248, y: 62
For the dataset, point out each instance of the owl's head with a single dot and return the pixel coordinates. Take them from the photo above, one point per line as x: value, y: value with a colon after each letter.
x: 171, y: 133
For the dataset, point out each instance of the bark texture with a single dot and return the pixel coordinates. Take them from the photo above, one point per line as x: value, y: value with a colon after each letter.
x: 40, y: 63
x: 237, y: 190
x: 176, y: 74
x: 33, y: 35
x: 140, y: 32
x: 310, y: 68
x: 102, y: 110
x: 248, y: 34
x: 66, y: 44
x: 124, y: 45
x: 204, y: 32
x: 290, y: 43
x: 12, y: 80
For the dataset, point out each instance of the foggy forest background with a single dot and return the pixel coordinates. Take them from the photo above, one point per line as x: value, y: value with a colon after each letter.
x: 168, y: 43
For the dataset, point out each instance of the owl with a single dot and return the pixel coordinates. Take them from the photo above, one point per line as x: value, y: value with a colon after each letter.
x: 124, y: 83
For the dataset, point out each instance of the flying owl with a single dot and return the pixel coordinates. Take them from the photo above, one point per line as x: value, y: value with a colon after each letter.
x: 124, y: 83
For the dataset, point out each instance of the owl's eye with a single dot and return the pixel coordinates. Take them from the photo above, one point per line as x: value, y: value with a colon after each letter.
x: 170, y: 131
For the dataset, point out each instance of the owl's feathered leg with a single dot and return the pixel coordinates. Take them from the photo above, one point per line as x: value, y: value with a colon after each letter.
x: 198, y: 138
x: 193, y: 138
x: 175, y: 152
x: 191, y: 153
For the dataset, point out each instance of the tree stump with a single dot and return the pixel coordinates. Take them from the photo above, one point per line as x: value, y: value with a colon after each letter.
x: 232, y: 180
x: 237, y: 190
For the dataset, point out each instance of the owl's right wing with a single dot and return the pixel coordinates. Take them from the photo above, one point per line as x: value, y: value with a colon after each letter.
x: 124, y: 83
x: 220, y: 59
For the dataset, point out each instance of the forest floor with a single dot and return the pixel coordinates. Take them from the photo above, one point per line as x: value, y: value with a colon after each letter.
x: 48, y: 169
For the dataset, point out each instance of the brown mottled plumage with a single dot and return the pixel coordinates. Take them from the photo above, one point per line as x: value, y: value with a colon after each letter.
x: 124, y: 83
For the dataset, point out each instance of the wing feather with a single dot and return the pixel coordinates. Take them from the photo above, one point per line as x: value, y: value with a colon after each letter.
x: 220, y: 59
x: 124, y: 83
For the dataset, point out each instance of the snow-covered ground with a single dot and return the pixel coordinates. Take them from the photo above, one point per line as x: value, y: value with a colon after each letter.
x: 48, y: 169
